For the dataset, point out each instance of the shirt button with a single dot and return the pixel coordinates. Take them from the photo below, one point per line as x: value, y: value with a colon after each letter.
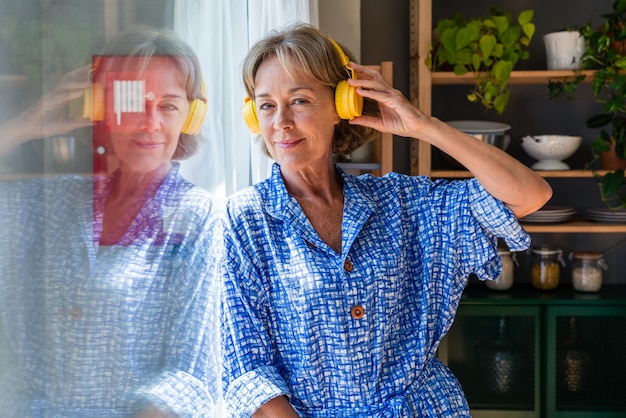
x: 347, y: 265
x: 75, y: 312
x: 357, y: 312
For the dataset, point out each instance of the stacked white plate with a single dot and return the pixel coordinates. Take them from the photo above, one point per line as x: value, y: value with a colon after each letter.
x: 606, y: 215
x: 550, y: 214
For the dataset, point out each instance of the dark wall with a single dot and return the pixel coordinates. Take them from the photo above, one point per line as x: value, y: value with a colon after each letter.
x: 385, y: 37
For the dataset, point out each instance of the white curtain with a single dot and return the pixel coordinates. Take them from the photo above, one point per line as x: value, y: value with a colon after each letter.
x: 221, y: 32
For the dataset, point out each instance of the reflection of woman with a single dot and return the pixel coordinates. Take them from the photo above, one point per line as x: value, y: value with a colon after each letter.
x: 109, y: 294
x: 340, y: 288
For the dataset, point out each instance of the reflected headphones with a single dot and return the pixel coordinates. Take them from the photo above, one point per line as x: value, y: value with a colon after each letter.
x: 348, y: 103
x: 94, y: 105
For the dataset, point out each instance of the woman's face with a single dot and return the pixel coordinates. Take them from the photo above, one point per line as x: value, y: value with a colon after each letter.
x: 146, y: 140
x: 297, y: 117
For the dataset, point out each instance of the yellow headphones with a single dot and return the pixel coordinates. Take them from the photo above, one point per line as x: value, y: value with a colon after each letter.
x: 94, y: 108
x: 348, y: 103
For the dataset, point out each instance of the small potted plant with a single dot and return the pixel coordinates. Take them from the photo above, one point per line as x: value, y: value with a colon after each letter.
x: 488, y: 47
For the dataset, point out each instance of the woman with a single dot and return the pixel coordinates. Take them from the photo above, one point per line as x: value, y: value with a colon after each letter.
x: 338, y: 289
x: 110, y: 295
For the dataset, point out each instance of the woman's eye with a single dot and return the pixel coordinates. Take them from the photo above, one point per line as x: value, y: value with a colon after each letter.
x: 265, y: 106
x: 300, y: 101
x: 169, y: 107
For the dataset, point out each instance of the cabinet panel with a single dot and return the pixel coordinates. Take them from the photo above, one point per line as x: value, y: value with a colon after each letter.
x: 556, y: 358
x: 494, y: 352
x: 586, y: 366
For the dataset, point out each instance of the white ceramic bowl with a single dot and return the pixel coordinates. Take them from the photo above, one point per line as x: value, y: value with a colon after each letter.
x: 550, y: 150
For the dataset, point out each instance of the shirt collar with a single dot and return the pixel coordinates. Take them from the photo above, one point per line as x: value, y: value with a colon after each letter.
x: 358, y: 206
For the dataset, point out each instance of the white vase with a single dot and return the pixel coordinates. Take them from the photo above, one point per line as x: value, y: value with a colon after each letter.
x: 564, y: 50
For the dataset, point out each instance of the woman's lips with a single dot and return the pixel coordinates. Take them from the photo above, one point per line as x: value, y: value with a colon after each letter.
x: 147, y: 145
x: 288, y: 143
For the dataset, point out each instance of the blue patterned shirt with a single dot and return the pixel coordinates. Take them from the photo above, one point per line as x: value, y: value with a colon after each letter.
x: 100, y: 331
x: 354, y: 334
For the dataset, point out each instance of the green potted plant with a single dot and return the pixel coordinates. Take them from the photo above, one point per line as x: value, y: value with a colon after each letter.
x: 606, y: 52
x: 489, y: 47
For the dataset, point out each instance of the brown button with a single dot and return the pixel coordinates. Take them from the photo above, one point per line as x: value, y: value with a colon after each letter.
x: 75, y: 312
x: 357, y: 312
x: 347, y: 265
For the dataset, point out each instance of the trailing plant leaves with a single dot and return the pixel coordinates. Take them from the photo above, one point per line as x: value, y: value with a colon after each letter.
x: 489, y: 47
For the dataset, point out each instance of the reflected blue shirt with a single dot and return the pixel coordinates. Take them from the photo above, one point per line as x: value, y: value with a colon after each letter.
x: 99, y: 331
x: 291, y: 320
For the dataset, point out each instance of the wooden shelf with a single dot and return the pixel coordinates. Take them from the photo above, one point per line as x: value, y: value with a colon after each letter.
x: 546, y: 174
x: 517, y: 77
x: 577, y: 226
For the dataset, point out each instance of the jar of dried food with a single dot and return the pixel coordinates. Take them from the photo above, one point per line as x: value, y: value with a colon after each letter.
x: 587, y: 269
x: 505, y: 280
x: 545, y: 267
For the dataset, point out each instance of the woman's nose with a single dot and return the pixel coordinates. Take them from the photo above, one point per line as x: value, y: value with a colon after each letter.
x: 284, y: 119
x: 149, y: 121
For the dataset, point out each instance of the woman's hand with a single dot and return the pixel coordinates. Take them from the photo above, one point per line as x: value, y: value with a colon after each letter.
x: 397, y: 115
x: 49, y: 116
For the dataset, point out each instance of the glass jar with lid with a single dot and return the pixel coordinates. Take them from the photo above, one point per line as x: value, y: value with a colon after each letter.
x: 505, y: 280
x: 587, y: 269
x: 545, y: 267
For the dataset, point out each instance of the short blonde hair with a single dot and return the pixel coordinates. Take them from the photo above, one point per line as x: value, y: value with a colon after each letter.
x: 304, y: 49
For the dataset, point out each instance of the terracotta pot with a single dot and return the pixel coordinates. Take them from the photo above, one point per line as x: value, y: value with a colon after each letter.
x: 609, y: 161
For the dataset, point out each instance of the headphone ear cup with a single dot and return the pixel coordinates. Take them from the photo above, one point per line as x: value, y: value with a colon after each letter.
x: 250, y: 116
x: 348, y: 103
x: 195, y: 117
x: 93, y: 102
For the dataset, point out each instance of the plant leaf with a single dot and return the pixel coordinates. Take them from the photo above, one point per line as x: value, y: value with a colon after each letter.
x: 501, y: 22
x: 611, y: 182
x: 448, y: 40
x: 460, y: 69
x: 525, y: 17
x: 500, y: 102
x: 598, y: 121
x: 529, y: 30
x: 487, y: 43
x: 461, y: 38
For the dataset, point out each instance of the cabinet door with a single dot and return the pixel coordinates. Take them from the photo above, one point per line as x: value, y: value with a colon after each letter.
x: 494, y: 352
x: 585, y: 361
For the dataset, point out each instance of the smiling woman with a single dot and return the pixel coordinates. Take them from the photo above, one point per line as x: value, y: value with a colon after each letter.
x: 372, y: 254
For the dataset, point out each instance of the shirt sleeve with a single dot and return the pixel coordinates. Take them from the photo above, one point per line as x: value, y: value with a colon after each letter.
x: 190, y: 383
x: 466, y: 222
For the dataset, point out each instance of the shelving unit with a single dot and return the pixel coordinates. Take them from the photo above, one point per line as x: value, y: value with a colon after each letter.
x: 422, y: 80
x: 535, y: 315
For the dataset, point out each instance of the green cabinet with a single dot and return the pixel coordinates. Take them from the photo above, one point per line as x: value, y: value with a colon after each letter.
x: 526, y: 353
